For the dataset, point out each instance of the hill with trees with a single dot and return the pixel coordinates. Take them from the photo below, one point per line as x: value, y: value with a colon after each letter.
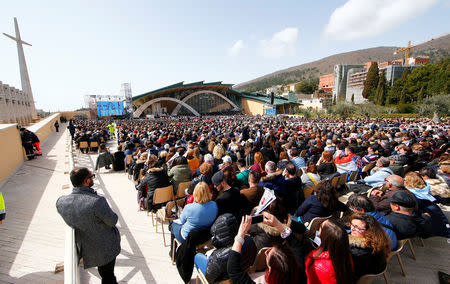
x: 436, y: 49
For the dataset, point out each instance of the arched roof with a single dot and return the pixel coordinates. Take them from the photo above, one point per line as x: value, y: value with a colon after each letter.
x: 181, y: 86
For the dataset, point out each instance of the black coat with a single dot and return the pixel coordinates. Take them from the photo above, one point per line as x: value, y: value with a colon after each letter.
x: 409, y: 226
x: 294, y: 194
x: 155, y: 178
x: 186, y: 252
x: 119, y: 164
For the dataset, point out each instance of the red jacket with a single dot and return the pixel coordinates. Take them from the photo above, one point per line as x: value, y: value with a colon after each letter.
x: 321, y: 269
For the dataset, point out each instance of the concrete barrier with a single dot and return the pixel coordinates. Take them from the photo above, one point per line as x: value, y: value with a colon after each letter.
x: 11, y: 151
x: 45, y: 127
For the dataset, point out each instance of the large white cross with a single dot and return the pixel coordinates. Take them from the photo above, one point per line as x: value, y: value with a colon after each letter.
x: 26, y: 85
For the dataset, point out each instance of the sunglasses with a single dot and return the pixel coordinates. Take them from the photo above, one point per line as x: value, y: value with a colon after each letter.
x: 92, y: 176
x: 359, y: 230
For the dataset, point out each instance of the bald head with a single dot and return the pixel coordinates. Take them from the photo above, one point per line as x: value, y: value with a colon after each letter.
x: 395, y: 181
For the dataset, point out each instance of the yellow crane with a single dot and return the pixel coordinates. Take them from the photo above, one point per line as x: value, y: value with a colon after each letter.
x: 406, y: 50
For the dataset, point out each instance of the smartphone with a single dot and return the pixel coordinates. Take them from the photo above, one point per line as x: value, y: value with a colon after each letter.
x: 257, y: 219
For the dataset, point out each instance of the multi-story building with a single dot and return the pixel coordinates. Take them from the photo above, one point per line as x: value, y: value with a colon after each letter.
x: 326, y: 82
x: 340, y: 80
x: 16, y: 106
x: 393, y: 70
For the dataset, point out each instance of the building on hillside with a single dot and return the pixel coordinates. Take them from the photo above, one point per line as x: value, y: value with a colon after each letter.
x: 421, y: 60
x: 275, y: 89
x: 16, y: 106
x: 290, y: 87
x: 340, y: 80
x: 357, y: 76
x: 326, y: 82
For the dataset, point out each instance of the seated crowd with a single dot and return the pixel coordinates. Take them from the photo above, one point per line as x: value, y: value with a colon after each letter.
x: 284, y: 170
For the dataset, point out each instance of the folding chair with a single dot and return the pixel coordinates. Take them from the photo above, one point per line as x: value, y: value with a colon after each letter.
x: 203, y: 279
x: 368, y: 278
x: 181, y: 191
x: 342, y: 179
x: 335, y: 182
x: 260, y: 261
x: 160, y: 196
x: 93, y: 144
x: 307, y: 191
x: 400, y: 245
x: 84, y: 145
x: 313, y: 226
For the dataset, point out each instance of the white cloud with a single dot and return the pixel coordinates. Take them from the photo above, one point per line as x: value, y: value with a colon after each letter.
x: 365, y: 18
x: 281, y: 44
x: 236, y: 48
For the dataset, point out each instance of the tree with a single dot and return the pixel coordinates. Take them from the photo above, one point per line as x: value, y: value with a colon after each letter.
x: 353, y: 98
x: 371, y: 82
x: 420, y: 96
x: 402, y: 99
x: 380, y: 95
x: 334, y: 100
x: 439, y: 104
x: 343, y: 109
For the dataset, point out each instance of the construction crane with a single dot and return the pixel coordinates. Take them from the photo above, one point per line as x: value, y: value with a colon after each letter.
x: 406, y: 50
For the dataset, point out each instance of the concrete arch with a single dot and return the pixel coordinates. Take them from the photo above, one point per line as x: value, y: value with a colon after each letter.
x: 178, y: 107
x: 141, y: 109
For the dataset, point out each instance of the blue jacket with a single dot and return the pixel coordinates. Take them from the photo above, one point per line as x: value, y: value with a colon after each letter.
x: 377, y: 177
x: 196, y: 215
x: 276, y: 182
x: 312, y: 208
x: 439, y: 222
x: 298, y: 162
x: 391, y: 234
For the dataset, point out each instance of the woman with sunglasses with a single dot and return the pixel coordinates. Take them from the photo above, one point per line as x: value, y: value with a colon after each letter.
x: 369, y: 245
x: 331, y: 262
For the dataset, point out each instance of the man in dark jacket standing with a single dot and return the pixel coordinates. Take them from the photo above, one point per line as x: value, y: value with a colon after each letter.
x: 96, y: 234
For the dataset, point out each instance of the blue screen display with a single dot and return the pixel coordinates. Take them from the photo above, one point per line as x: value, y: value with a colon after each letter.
x: 110, y: 108
x: 271, y: 111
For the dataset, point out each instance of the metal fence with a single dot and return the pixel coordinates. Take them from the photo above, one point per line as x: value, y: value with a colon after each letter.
x: 71, y: 268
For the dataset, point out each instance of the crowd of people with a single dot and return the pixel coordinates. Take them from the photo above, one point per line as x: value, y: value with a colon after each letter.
x: 400, y: 170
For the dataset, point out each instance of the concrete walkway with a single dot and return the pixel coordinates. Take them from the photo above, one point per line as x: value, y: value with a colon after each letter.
x: 32, y: 236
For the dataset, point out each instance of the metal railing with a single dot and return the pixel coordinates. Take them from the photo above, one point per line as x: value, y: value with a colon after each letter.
x: 71, y: 268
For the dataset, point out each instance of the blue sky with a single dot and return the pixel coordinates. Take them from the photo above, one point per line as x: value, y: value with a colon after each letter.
x: 92, y: 47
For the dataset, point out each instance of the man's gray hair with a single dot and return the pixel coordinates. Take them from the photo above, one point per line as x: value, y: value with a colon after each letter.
x: 271, y: 167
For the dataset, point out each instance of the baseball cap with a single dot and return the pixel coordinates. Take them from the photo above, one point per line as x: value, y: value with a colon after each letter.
x: 218, y: 178
x: 403, y: 199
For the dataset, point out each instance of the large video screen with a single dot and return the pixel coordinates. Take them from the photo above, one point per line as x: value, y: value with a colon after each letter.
x: 110, y: 108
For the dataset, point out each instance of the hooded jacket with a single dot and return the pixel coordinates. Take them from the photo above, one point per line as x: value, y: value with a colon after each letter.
x: 364, y: 260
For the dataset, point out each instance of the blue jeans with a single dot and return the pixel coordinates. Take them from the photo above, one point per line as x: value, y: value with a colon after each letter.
x: 201, y: 261
x: 176, y: 231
